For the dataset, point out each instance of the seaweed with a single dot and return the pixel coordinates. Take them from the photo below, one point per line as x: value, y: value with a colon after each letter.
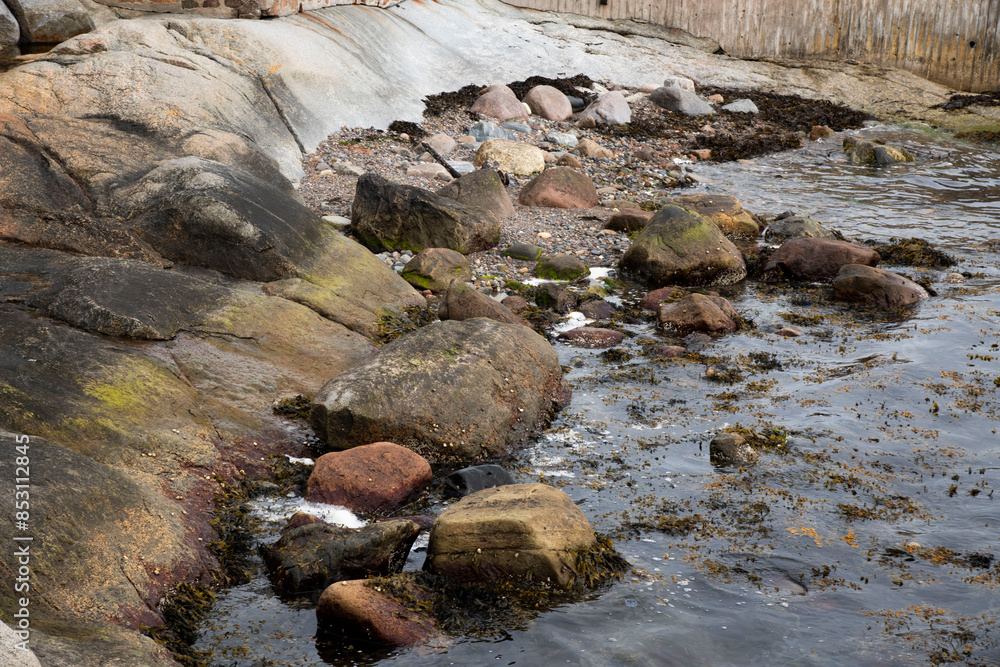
x: 911, y: 252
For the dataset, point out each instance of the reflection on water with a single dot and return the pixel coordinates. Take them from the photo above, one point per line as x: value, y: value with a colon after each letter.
x: 866, y: 536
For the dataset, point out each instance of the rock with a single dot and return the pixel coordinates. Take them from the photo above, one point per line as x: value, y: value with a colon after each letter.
x: 514, y: 157
x: 701, y: 154
x: 10, y: 33
x: 517, y: 126
x: 577, y: 102
x: 678, y: 82
x: 428, y: 170
x: 725, y: 211
x: 560, y: 187
x: 731, y: 449
x: 592, y: 337
x: 597, y: 309
x: 466, y: 481
x: 698, y: 312
x: 644, y: 154
x: 315, y: 555
x: 670, y: 351
x: 555, y: 297
x: 653, y: 299
x: 586, y: 122
x: 718, y: 99
x: 879, y: 288
x: 485, y: 130
x: 549, y: 103
x: 430, y: 392
x: 741, y: 106
x: 347, y: 169
x: 567, y: 139
x: 518, y: 531
x: 482, y: 189
x: 608, y: 109
x: 561, y: 266
x: 516, y: 303
x: 590, y: 148
x: 442, y: 143
x: 11, y: 655
x: 462, y: 302
x: 629, y: 221
x: 523, y: 251
x: 815, y: 259
x: 568, y: 160
x: 820, y: 132
x: 463, y: 167
x: 377, y: 478
x: 682, y: 101
x: 301, y: 519
x: 338, y: 222
x: 862, y: 152
x: 356, y: 608
x: 499, y: 102
x: 789, y: 332
x: 50, y: 21
x: 795, y: 227
x: 683, y: 248
x: 387, y: 216
x: 436, y: 268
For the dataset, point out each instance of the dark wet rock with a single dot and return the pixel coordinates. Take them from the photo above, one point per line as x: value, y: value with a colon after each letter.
x: 499, y: 382
x: 683, y: 248
x: 912, y: 252
x: 475, y: 478
x: 313, y: 556
x: 876, y: 287
x: 680, y: 100
x: 697, y: 312
x: 377, y: 478
x: 482, y: 189
x: 519, y: 532
x: 725, y: 211
x: 592, y: 337
x: 670, y: 351
x: 653, y: 299
x: 359, y: 608
x: 388, y: 216
x: 629, y: 221
x: 524, y: 251
x: 436, y: 268
x: 549, y: 103
x: 795, y: 227
x: 597, y: 309
x: 731, y: 449
x: 560, y: 267
x: 300, y: 519
x: 499, y: 102
x: 560, y: 187
x: 815, y: 259
x: 555, y: 297
x: 463, y: 302
x: 862, y: 152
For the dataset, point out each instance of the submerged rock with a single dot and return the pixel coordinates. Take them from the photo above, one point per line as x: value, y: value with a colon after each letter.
x: 379, y: 478
x: 815, y: 259
x: 476, y: 478
x: 592, y: 337
x: 876, y: 287
x: 698, y: 312
x: 731, y: 449
x: 360, y: 608
x: 797, y: 227
x: 862, y: 152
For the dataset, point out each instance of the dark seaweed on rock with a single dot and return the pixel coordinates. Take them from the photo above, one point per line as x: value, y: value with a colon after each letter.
x: 183, y: 610
x: 436, y: 105
x: 726, y: 147
x: 563, y: 85
x: 792, y: 112
x: 911, y: 252
x: 961, y: 101
x: 406, y: 127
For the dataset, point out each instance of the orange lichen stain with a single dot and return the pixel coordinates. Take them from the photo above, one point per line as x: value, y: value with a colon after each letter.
x: 851, y: 539
x: 806, y: 532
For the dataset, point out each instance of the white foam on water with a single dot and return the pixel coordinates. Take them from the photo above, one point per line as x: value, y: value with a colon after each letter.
x: 279, y: 510
x: 303, y: 461
x: 574, y: 319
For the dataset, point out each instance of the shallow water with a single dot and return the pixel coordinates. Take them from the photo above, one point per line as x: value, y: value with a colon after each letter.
x: 859, y: 541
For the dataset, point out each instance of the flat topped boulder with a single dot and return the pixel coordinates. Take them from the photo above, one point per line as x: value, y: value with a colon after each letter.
x: 379, y: 477
x: 561, y: 266
x: 450, y: 391
x: 389, y: 216
x: 876, y: 287
x: 560, y: 187
x: 515, y: 157
x: 699, y: 312
x: 482, y: 189
x: 517, y: 531
x: 725, y: 211
x: 680, y: 247
x: 815, y: 259
x: 436, y: 268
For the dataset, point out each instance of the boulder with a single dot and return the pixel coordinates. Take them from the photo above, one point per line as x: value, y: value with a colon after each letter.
x: 561, y: 267
x: 698, y: 312
x: 485, y: 130
x: 428, y: 170
x: 555, y: 297
x: 560, y: 187
x: 653, y: 298
x: 313, y: 556
x: 549, y: 103
x: 519, y: 531
x: 725, y: 211
x: 567, y: 139
x: 499, y: 102
x: 442, y: 143
x: 482, y: 189
x: 516, y: 303
x: 629, y: 220
x: 360, y: 608
x: 517, y: 126
x: 862, y: 152
x: 377, y: 478
x: 11, y: 655
x: 10, y: 33
x: 50, y: 21
x: 568, y: 160
x: 608, y: 109
x: 387, y: 216
x: 597, y: 309
x: 524, y: 251
x: 683, y: 248
x: 436, y: 268
x: 592, y: 337
x: 741, y: 106
x: 797, y: 227
x: 680, y: 100
x: 476, y: 478
x: 674, y: 81
x: 450, y: 391
x: 514, y: 157
x: 731, y: 449
x: 590, y: 148
x: 879, y: 288
x: 462, y: 302
x: 817, y: 132
x: 815, y: 259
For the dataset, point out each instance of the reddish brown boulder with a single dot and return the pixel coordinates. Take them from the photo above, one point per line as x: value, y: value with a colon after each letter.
x: 499, y: 102
x: 597, y: 309
x: 560, y: 187
x: 629, y: 220
x: 515, y: 303
x: 568, y: 160
x: 359, y: 607
x: 549, y: 103
x: 592, y: 337
x: 653, y: 299
x: 876, y: 287
x: 815, y: 259
x: 300, y: 519
x: 462, y: 302
x: 372, y: 478
x: 697, y: 312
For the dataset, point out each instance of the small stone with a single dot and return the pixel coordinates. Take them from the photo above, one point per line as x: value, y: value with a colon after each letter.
x: 717, y: 98
x: 544, y: 235
x: 820, y: 131
x: 731, y: 449
x: 592, y: 337
x: 701, y: 154
x: 347, y: 169
x: 789, y: 332
x: 741, y: 106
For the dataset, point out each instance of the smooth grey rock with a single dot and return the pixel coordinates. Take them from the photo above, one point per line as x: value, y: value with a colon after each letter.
x: 741, y: 106
x: 347, y: 169
x: 517, y: 126
x: 576, y: 102
x: 681, y: 100
x: 485, y: 130
x: 10, y: 32
x: 562, y: 138
x: 10, y: 654
x: 338, y: 222
x: 608, y: 109
x: 679, y: 82
x: 461, y: 166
